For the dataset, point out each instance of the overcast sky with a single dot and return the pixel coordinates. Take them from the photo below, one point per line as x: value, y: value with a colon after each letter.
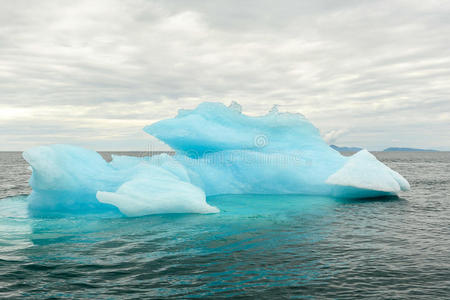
x: 93, y: 73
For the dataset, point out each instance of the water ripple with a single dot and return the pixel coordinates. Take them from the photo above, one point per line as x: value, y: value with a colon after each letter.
x: 257, y: 247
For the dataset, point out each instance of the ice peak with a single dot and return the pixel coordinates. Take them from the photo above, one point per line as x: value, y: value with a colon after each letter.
x: 274, y: 109
x: 235, y: 106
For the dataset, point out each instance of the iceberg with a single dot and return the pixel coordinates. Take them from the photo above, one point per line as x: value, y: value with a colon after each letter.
x: 219, y: 150
x: 72, y: 179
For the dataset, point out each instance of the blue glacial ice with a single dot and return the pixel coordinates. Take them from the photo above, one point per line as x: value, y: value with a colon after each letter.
x: 67, y: 178
x: 219, y: 150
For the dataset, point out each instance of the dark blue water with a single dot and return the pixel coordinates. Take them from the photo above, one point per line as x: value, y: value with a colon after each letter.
x: 257, y: 247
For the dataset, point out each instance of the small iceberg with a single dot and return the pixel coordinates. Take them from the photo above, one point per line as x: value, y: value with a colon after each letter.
x: 219, y: 150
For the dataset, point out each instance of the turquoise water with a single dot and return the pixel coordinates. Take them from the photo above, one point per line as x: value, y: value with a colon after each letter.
x: 256, y: 247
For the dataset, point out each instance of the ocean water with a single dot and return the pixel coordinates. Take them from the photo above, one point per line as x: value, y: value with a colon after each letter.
x: 259, y: 247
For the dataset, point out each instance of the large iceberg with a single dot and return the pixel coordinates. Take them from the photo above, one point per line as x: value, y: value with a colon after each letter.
x: 219, y: 150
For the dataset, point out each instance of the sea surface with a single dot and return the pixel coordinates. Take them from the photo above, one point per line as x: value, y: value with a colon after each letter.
x: 257, y: 247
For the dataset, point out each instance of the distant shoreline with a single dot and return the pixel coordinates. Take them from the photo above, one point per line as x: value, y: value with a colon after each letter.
x: 390, y: 149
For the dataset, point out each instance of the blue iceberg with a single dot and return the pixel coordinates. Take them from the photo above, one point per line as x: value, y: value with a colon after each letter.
x: 67, y: 178
x: 219, y: 150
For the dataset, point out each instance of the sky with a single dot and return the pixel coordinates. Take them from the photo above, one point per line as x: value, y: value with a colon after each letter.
x: 372, y: 74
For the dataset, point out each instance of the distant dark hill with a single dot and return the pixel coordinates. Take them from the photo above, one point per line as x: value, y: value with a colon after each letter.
x: 408, y: 149
x: 345, y: 149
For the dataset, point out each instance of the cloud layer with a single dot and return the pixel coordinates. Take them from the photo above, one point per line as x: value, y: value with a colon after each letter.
x: 93, y: 73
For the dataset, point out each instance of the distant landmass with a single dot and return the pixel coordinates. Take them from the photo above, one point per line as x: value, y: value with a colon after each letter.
x: 356, y: 149
x: 408, y: 149
x: 345, y: 149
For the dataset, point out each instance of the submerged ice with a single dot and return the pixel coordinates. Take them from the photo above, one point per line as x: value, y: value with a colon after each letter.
x: 219, y: 150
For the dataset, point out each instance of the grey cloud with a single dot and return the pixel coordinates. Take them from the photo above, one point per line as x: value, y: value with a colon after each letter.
x: 374, y: 69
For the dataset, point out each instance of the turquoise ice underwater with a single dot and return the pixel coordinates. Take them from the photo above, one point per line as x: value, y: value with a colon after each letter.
x: 219, y: 150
